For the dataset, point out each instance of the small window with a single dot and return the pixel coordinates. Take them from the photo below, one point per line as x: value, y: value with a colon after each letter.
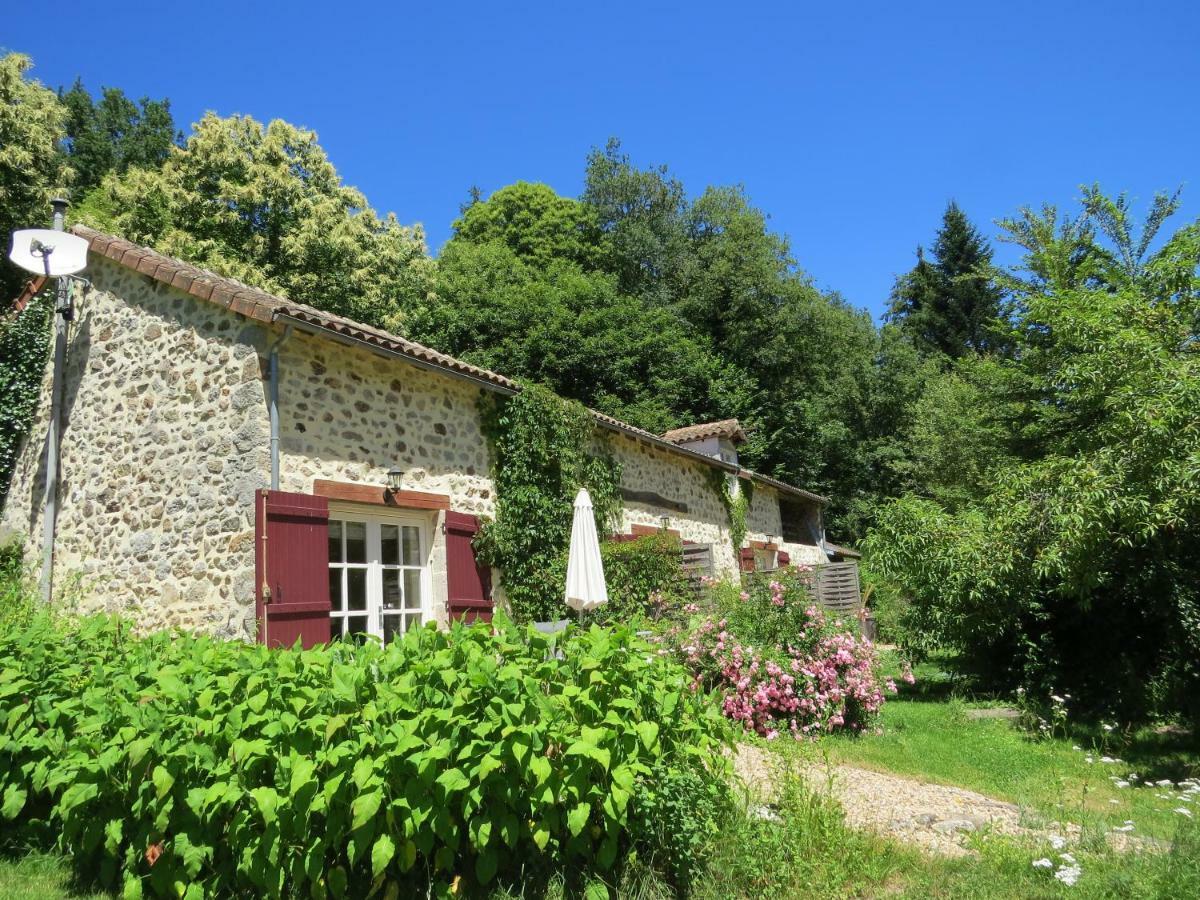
x: 765, y: 560
x: 798, y: 523
x: 378, y: 576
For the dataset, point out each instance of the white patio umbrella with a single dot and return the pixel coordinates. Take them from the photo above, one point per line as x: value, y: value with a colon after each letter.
x: 585, y: 570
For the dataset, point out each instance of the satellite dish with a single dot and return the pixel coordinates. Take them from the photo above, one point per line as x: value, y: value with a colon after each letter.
x: 45, y: 251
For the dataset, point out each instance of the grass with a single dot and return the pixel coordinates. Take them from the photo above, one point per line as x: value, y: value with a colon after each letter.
x: 927, y: 734
x: 38, y: 876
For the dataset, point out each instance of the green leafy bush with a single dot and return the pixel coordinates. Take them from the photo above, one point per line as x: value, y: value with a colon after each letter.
x: 645, y: 578
x: 180, y: 765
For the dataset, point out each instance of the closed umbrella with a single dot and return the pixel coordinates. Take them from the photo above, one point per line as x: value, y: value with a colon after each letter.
x: 585, y: 571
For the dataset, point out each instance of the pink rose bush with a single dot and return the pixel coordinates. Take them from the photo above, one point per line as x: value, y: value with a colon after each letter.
x: 804, y: 674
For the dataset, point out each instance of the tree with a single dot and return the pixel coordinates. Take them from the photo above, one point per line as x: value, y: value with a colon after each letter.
x: 1078, y: 569
x: 31, y: 172
x: 951, y: 305
x: 31, y: 169
x: 515, y: 294
x: 114, y: 134
x: 265, y: 205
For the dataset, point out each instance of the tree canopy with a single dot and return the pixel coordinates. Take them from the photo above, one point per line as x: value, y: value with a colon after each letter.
x: 265, y: 205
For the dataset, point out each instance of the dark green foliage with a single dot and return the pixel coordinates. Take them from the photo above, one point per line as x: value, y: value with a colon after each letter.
x: 1077, y: 571
x: 24, y: 344
x: 952, y: 305
x: 645, y: 578
x: 544, y: 449
x: 177, y: 765
x: 679, y: 813
x: 114, y: 134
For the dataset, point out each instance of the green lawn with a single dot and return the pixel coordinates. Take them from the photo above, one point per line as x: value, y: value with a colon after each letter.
x: 37, y: 877
x: 927, y: 734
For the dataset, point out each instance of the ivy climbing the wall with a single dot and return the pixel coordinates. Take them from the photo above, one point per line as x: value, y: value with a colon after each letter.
x: 544, y: 449
x: 735, y: 505
x: 24, y: 346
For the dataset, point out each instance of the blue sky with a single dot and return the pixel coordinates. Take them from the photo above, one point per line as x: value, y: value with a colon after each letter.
x: 850, y: 124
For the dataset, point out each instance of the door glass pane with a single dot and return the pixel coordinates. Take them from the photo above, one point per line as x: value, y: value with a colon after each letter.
x: 412, y: 588
x: 356, y: 628
x: 356, y: 589
x: 393, y: 627
x: 389, y: 539
x: 335, y: 541
x: 391, y: 589
x: 356, y: 542
x: 412, y: 545
x: 335, y: 589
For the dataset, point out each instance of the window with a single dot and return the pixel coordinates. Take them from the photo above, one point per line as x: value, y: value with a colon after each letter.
x: 799, y: 523
x: 378, y: 575
x: 765, y: 560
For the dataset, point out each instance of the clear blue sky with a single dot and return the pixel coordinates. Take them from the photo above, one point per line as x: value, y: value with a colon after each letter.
x: 850, y: 124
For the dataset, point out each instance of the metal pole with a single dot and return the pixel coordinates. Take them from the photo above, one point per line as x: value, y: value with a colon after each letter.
x: 62, y: 315
x: 273, y: 400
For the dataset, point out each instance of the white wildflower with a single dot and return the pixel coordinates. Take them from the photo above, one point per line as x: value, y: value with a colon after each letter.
x: 1088, y: 759
x: 1183, y: 811
x: 1076, y: 747
x: 1123, y: 828
x: 1057, y: 699
x: 1107, y: 759
x: 1108, y: 728
x: 1067, y: 857
x: 1121, y: 784
x: 1166, y: 782
x: 1115, y: 802
x: 1068, y: 875
x: 1043, y: 863
x: 1057, y: 841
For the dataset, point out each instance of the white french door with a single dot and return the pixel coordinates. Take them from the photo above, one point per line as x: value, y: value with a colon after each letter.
x: 378, y: 575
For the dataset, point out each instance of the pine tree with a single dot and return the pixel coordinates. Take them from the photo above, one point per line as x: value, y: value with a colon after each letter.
x: 951, y: 305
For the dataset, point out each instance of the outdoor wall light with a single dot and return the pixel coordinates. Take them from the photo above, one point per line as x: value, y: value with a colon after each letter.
x: 394, y: 479
x: 664, y: 522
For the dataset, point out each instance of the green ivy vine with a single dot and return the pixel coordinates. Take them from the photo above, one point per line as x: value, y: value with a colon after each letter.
x: 543, y: 449
x: 736, y: 505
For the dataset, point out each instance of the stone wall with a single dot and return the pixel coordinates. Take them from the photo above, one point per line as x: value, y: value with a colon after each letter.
x: 645, y: 467
x: 762, y: 521
x: 165, y: 441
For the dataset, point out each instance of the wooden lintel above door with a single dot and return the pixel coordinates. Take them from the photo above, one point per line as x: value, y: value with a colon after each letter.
x: 378, y: 495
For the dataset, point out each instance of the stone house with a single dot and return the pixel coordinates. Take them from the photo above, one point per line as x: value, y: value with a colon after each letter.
x: 181, y: 504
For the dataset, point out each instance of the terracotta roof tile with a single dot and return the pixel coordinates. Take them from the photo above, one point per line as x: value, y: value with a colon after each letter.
x: 728, y: 428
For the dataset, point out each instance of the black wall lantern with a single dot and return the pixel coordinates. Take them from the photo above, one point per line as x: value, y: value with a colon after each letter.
x: 394, y: 479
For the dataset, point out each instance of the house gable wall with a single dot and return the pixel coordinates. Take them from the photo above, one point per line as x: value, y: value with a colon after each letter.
x: 165, y: 440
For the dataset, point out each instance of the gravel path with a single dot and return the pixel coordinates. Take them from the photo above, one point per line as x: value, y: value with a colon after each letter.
x: 932, y: 817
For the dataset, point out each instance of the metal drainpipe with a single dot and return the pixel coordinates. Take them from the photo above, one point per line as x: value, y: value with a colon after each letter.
x: 62, y: 315
x: 274, y: 404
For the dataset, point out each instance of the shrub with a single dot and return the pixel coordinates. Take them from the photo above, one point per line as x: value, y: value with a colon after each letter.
x: 645, y: 578
x: 780, y: 663
x: 183, y: 765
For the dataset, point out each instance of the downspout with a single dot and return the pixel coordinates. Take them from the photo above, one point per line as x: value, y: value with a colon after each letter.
x: 274, y: 404
x: 62, y: 315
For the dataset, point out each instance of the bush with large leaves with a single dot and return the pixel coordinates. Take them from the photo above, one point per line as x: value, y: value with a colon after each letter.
x: 177, y: 765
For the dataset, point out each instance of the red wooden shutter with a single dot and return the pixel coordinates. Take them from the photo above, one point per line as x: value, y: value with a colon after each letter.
x: 783, y: 558
x: 747, y: 559
x: 293, y: 562
x: 468, y: 581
